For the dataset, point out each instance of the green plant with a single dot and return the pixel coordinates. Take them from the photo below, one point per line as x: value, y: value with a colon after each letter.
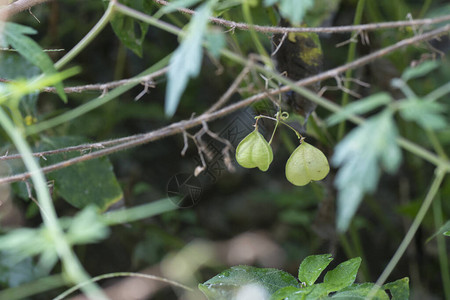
x: 63, y: 139
x: 306, y: 163
x: 274, y: 284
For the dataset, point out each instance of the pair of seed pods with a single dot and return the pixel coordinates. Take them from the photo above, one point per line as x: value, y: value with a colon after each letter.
x: 306, y: 163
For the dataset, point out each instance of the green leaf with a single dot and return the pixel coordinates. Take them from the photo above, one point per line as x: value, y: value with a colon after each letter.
x: 399, y: 289
x: 12, y: 67
x: 83, y: 184
x: 420, y: 70
x: 312, y: 266
x: 343, y: 275
x: 215, y: 41
x: 360, y: 292
x: 428, y: 115
x: 125, y: 27
x: 293, y: 10
x: 254, y: 151
x: 174, y: 5
x: 87, y: 227
x: 226, y: 285
x: 187, y: 58
x: 15, y: 35
x: 445, y: 229
x: 359, y: 107
x: 313, y: 292
x: 359, y: 156
x: 289, y: 293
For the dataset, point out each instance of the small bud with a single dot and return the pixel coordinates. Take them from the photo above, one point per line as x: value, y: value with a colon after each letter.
x: 254, y: 151
x: 306, y: 163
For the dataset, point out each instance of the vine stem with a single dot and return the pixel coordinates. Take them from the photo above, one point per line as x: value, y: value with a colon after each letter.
x: 336, y: 29
x: 88, y: 38
x: 71, y: 263
x: 439, y: 177
x: 349, y: 72
x: 121, y: 274
x: 179, y: 127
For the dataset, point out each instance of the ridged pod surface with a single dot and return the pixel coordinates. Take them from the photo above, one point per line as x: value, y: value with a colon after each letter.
x: 306, y: 164
x: 254, y: 151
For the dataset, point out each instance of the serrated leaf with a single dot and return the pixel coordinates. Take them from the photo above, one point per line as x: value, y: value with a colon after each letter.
x: 293, y: 10
x: 187, y: 58
x: 226, y: 285
x: 15, y: 35
x: 419, y: 70
x: 399, y: 289
x: 359, y: 156
x: 359, y: 107
x: 343, y: 275
x: 125, y: 27
x: 360, y: 292
x: 83, y: 184
x: 428, y: 115
x: 312, y: 266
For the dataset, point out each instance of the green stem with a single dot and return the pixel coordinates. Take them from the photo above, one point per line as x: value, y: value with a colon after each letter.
x: 442, y: 248
x: 97, y: 102
x: 88, y: 38
x: 120, y: 274
x: 259, y: 47
x: 436, y: 144
x: 438, y: 93
x: 440, y: 174
x: 275, y: 129
x: 32, y: 288
x: 424, y: 10
x: 359, y: 252
x: 350, y: 57
x: 299, y: 136
x: 413, y: 148
x: 346, y: 246
x: 71, y: 264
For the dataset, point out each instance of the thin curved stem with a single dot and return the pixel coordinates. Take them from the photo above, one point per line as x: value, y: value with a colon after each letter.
x: 439, y: 177
x: 121, y: 274
x: 88, y: 38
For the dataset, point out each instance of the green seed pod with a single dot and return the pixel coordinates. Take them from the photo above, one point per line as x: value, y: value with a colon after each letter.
x: 307, y: 163
x: 254, y: 151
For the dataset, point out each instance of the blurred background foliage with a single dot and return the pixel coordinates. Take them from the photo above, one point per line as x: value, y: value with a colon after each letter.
x: 299, y: 221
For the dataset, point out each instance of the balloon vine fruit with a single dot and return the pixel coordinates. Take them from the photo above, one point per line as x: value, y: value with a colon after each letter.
x: 254, y: 151
x: 306, y: 164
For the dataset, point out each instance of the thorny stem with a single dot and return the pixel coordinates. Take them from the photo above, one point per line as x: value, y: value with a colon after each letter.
x: 336, y: 29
